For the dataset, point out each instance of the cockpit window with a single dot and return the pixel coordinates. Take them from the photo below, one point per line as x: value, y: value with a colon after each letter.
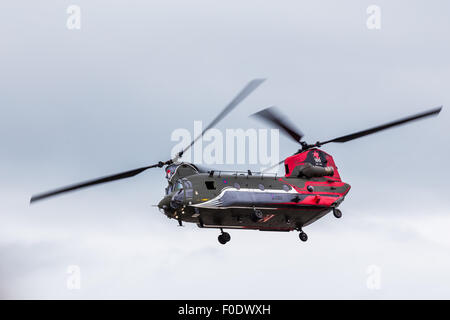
x: 170, y: 170
x: 178, y: 186
x: 188, y: 188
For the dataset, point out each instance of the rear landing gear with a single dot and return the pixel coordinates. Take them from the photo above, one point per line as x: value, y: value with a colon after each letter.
x: 337, y: 213
x: 224, y: 237
x: 303, y: 236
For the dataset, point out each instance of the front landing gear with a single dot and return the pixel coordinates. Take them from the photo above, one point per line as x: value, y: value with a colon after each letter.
x: 224, y: 237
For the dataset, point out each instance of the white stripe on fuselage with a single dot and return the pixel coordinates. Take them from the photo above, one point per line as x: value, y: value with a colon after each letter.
x: 213, y: 203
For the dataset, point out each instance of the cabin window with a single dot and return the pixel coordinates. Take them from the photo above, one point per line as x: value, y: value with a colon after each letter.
x: 210, y: 185
x: 286, y: 167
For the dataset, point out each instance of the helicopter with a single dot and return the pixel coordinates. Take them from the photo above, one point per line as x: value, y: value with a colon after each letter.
x: 310, y: 188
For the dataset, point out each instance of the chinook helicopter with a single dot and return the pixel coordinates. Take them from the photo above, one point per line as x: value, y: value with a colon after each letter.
x: 310, y: 188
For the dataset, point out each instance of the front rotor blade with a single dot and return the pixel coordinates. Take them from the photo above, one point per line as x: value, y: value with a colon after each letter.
x: 114, y: 177
x: 363, y: 133
x: 249, y: 88
x: 272, y: 116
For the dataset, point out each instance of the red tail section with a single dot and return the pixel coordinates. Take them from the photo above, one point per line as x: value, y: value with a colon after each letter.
x: 315, y: 157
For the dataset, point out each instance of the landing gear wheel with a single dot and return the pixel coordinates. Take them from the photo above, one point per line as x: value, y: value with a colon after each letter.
x: 257, y: 215
x: 224, y: 237
x: 221, y: 239
x: 303, y: 236
x: 337, y: 213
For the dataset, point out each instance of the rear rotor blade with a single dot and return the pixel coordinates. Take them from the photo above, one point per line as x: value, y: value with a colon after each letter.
x: 273, y: 117
x: 272, y: 167
x: 388, y: 125
x: 249, y: 88
x: 114, y: 177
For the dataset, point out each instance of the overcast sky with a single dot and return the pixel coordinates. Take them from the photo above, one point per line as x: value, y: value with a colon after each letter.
x: 77, y: 104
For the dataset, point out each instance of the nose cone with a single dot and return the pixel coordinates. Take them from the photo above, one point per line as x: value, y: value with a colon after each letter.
x: 164, y: 204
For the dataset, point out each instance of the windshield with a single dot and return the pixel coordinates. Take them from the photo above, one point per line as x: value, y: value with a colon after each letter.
x: 178, y: 186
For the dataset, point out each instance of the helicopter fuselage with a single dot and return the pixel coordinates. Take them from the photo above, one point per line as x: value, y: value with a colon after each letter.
x: 217, y: 199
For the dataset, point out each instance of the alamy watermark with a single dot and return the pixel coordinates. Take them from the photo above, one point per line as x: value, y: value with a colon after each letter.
x: 236, y: 146
x: 74, y: 279
x: 374, y: 19
x: 74, y: 19
x: 373, y: 281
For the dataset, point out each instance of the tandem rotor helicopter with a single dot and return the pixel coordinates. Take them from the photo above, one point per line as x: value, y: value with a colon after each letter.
x: 310, y: 188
